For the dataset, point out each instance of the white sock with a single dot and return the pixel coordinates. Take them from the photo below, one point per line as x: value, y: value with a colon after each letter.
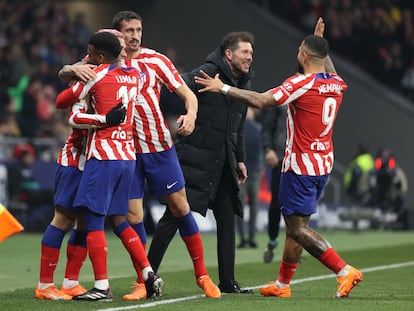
x: 70, y: 283
x: 102, y: 284
x: 145, y: 272
x: 281, y: 285
x: 344, y: 271
x: 45, y: 285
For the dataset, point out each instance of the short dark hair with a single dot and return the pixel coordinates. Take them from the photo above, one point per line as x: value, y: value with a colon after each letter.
x: 317, y: 45
x: 106, y: 43
x: 232, y: 39
x: 124, y: 16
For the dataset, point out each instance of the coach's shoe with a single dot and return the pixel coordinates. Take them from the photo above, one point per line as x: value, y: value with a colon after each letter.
x: 51, y: 293
x: 272, y: 290
x: 210, y: 289
x: 269, y: 252
x: 74, y: 291
x: 348, y: 282
x: 139, y: 292
x: 95, y: 294
x: 232, y: 287
x: 153, y: 285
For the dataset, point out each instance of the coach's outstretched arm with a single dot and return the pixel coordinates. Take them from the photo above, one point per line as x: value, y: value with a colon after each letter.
x: 252, y: 98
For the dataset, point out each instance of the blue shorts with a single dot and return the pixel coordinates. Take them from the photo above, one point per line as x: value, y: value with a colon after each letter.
x: 298, y: 194
x: 161, y: 171
x: 105, y: 185
x: 67, y: 181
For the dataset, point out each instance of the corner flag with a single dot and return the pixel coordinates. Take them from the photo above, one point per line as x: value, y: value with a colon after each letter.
x: 8, y: 224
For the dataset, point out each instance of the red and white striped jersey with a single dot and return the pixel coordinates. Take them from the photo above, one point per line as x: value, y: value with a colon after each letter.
x: 72, y: 153
x: 313, y: 102
x: 151, y: 132
x: 112, y: 85
x: 81, y: 119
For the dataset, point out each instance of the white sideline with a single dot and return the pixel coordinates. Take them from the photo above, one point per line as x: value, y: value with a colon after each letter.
x: 314, y: 278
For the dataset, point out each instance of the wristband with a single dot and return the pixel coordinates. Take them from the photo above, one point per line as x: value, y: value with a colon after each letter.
x: 225, y: 89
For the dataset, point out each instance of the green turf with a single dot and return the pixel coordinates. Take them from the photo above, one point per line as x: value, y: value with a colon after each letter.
x: 383, y: 288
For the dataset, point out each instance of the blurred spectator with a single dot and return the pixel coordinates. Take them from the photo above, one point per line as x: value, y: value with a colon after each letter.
x: 249, y: 191
x: 389, y: 183
x: 28, y: 118
x: 384, y: 28
x: 37, y: 38
x: 24, y: 187
x: 357, y: 176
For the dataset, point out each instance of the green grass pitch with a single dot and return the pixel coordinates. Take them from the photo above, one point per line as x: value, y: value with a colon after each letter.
x: 386, y: 258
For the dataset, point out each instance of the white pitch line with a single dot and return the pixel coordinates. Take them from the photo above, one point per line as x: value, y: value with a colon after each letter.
x: 310, y: 279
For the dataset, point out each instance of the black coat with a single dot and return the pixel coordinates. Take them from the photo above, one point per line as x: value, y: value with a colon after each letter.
x: 218, y: 135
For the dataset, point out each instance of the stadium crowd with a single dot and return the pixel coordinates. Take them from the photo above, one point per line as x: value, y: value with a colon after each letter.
x: 36, y: 39
x: 377, y: 36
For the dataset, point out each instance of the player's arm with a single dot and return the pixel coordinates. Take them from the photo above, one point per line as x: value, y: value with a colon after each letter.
x: 187, y: 120
x: 319, y: 31
x: 252, y: 98
x: 66, y: 98
x: 80, y: 119
x: 78, y: 71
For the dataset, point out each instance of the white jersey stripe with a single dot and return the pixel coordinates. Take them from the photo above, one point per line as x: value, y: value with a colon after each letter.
x: 321, y: 164
x: 308, y: 164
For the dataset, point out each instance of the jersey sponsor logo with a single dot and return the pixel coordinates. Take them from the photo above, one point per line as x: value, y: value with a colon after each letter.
x: 330, y: 88
x: 126, y: 79
x: 319, y: 146
x: 169, y: 186
x: 121, y: 134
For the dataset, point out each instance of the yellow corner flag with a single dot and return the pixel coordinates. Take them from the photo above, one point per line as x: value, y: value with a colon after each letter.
x: 8, y: 224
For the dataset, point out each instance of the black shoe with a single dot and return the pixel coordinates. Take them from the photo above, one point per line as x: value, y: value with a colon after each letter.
x: 253, y: 243
x: 243, y: 244
x: 153, y: 285
x: 95, y: 294
x: 232, y: 287
x: 269, y: 252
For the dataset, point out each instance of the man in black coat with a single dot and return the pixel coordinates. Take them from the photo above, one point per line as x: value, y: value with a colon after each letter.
x: 212, y: 157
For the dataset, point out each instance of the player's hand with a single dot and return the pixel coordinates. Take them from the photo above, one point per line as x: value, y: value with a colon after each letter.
x: 209, y: 83
x: 319, y: 27
x: 116, y: 115
x: 83, y: 72
x: 186, y: 124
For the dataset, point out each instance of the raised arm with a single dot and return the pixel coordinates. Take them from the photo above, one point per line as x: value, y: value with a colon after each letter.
x: 252, y: 98
x: 319, y: 31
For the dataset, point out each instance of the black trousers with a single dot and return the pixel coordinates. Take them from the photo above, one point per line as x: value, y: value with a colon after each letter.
x: 224, y: 208
x: 274, y: 207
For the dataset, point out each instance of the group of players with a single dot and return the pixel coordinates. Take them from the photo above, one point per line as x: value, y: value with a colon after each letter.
x: 128, y: 144
x: 120, y: 141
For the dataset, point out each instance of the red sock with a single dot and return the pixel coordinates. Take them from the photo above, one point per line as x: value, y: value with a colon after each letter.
x: 75, y: 255
x: 331, y: 259
x: 195, y: 249
x: 98, y: 253
x: 140, y: 277
x: 48, y: 262
x: 286, y: 272
x: 133, y: 245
